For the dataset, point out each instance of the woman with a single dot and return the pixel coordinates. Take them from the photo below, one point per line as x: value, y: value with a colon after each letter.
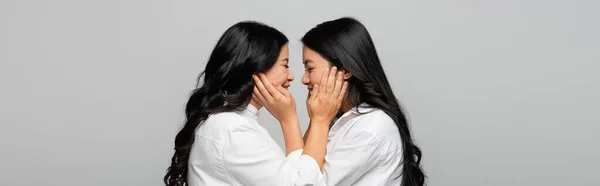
x: 370, y: 144
x: 222, y: 142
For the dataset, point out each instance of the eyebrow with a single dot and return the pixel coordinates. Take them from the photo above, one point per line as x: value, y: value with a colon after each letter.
x: 286, y: 59
x: 307, y: 61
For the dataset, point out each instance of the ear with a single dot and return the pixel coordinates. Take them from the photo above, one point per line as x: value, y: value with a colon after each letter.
x: 347, y: 75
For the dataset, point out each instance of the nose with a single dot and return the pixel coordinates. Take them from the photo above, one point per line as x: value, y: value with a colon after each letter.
x: 290, y: 76
x: 305, y: 79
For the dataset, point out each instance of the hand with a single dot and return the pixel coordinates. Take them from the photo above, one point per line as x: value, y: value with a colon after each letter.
x: 326, y: 97
x: 276, y: 99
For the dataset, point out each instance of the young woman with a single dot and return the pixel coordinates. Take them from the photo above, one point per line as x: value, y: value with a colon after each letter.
x: 370, y: 144
x: 222, y: 142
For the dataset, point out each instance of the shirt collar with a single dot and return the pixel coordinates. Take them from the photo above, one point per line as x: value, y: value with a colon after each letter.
x: 251, y: 112
x: 361, y: 109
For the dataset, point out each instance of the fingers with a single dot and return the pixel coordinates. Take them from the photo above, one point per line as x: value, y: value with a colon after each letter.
x: 323, y: 82
x: 339, y: 82
x: 283, y: 91
x: 261, y: 88
x: 258, y: 96
x: 269, y: 86
x: 314, y: 93
x: 331, y: 80
x: 343, y: 91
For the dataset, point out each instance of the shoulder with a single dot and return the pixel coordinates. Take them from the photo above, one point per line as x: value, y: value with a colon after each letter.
x: 218, y: 126
x: 379, y: 127
x: 226, y: 119
x: 376, y: 121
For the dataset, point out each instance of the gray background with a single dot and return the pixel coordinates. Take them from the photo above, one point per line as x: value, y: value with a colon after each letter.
x: 500, y: 93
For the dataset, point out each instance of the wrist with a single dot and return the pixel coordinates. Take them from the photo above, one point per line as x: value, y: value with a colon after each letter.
x: 320, y: 123
x: 289, y: 119
x: 321, y: 119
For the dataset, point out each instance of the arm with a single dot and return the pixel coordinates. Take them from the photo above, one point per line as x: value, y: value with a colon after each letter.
x: 292, y: 135
x: 316, y: 141
x: 306, y: 133
x: 323, y: 104
x: 251, y: 158
x: 280, y: 103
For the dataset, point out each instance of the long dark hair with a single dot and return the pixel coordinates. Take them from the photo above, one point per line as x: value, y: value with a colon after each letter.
x: 347, y: 44
x: 246, y: 48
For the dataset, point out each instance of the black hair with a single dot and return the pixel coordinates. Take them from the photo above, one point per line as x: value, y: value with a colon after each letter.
x: 347, y: 44
x: 244, y: 49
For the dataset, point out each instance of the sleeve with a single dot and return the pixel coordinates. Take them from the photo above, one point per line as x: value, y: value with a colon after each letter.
x: 351, y: 158
x: 251, y: 159
x: 295, y: 155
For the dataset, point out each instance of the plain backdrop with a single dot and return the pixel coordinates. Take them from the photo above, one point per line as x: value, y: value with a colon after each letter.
x: 499, y: 93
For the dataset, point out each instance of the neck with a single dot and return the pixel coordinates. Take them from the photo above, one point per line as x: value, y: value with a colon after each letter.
x: 346, y: 106
x: 256, y: 104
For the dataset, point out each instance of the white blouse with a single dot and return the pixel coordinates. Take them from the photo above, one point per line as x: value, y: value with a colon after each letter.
x: 364, y: 148
x: 232, y: 148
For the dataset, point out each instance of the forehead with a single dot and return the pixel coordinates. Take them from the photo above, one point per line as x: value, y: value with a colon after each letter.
x: 284, y: 50
x: 284, y: 54
x: 311, y: 57
x: 307, y: 52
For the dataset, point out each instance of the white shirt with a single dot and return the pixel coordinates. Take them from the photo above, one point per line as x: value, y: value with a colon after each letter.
x: 363, y: 149
x: 232, y: 148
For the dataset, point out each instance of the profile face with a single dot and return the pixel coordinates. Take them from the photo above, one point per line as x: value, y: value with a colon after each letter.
x: 314, y: 65
x: 280, y: 73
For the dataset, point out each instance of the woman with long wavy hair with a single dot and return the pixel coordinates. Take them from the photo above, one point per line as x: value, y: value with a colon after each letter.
x: 222, y: 142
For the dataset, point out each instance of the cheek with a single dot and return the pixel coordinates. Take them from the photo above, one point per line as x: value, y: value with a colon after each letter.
x: 315, y: 78
x: 282, y: 75
x: 277, y: 75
